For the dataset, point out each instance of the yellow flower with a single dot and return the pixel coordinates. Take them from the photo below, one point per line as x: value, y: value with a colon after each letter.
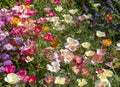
x: 106, y: 42
x: 45, y: 28
x: 60, y: 80
x: 86, y: 45
x: 108, y: 73
x: 81, y: 82
x: 117, y: 65
x: 102, y: 76
x: 89, y: 53
x: 27, y: 7
x: 15, y: 20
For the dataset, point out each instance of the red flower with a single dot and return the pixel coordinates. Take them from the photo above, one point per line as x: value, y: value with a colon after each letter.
x: 32, y: 79
x: 48, y: 37
x: 78, y: 60
x: 37, y: 29
x: 50, y: 14
x: 108, y: 17
x: 10, y: 69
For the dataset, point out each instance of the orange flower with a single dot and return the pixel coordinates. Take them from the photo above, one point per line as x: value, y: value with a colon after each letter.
x: 15, y: 20
x: 106, y: 42
x: 108, y: 17
x: 45, y: 28
x: 54, y: 44
x: 27, y: 7
x: 75, y: 70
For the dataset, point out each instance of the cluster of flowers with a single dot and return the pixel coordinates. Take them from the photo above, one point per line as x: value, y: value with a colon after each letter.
x: 75, y: 62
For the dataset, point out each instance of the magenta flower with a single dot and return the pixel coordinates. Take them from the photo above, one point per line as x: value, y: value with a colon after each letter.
x: 57, y: 1
x: 37, y: 29
x: 22, y: 74
x: 28, y: 2
x: 10, y: 69
x: 78, y: 60
x: 25, y: 79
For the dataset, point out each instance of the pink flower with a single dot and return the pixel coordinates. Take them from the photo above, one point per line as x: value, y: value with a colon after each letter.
x: 57, y: 1
x: 22, y: 74
x: 10, y: 69
x: 31, y: 13
x: 31, y: 51
x: 28, y: 2
x: 97, y: 58
x: 47, y: 10
x: 42, y: 20
x: 25, y: 79
x: 85, y: 72
x: 48, y: 37
x: 37, y: 29
x: 32, y: 79
x: 49, y: 79
x: 78, y: 59
x: 50, y: 14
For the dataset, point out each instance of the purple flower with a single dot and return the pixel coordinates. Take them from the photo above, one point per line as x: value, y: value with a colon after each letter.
x: 2, y: 69
x: 5, y: 57
x: 8, y: 62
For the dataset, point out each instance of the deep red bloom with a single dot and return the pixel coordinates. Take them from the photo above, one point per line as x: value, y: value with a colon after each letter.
x: 10, y: 69
x: 28, y: 2
x: 78, y: 59
x: 57, y: 1
x: 31, y: 51
x: 37, y: 29
x: 32, y: 79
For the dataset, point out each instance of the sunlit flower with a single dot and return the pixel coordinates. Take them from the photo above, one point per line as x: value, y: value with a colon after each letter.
x: 45, y: 28
x: 106, y: 42
x: 76, y: 70
x: 60, y: 80
x: 49, y: 79
x: 68, y: 18
x: 54, y: 67
x: 66, y: 55
x: 71, y: 44
x: 102, y: 83
x: 12, y: 78
x: 81, y: 82
x: 85, y: 72
x: 29, y: 59
x: 86, y: 45
x: 100, y: 34
x: 73, y: 11
x: 89, y: 53
x: 59, y: 8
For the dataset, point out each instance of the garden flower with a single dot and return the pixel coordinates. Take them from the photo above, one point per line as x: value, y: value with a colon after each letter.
x: 47, y: 9
x: 66, y: 55
x: 96, y: 5
x: 59, y: 8
x: 81, y: 82
x: 57, y: 1
x: 60, y: 80
x: 106, y: 42
x: 29, y: 59
x: 108, y: 17
x: 49, y: 79
x: 89, y: 53
x: 32, y: 79
x: 68, y: 18
x: 10, y: 69
x: 12, y: 78
x: 28, y: 2
x: 4, y: 57
x: 102, y: 83
x: 8, y: 47
x: 108, y: 73
x: 2, y: 69
x: 54, y: 19
x: 75, y: 69
x: 54, y: 67
x: 86, y: 45
x: 85, y: 72
x: 45, y: 28
x: 100, y: 34
x: 71, y: 44
x: 48, y: 37
x: 73, y: 11
x: 97, y: 58
x: 22, y: 74
x: 78, y: 59
x: 8, y: 62
x: 37, y: 29
x: 118, y: 46
x: 50, y: 14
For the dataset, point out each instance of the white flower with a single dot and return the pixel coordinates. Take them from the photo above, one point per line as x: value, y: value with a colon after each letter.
x: 102, y: 83
x: 60, y: 80
x: 59, y: 8
x: 118, y: 46
x: 96, y: 5
x: 54, y: 67
x: 68, y: 18
x: 89, y: 53
x: 29, y: 59
x: 73, y: 11
x: 12, y: 78
x: 71, y: 44
x: 88, y: 16
x: 54, y: 19
x: 86, y: 45
x: 100, y: 34
x: 81, y: 82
